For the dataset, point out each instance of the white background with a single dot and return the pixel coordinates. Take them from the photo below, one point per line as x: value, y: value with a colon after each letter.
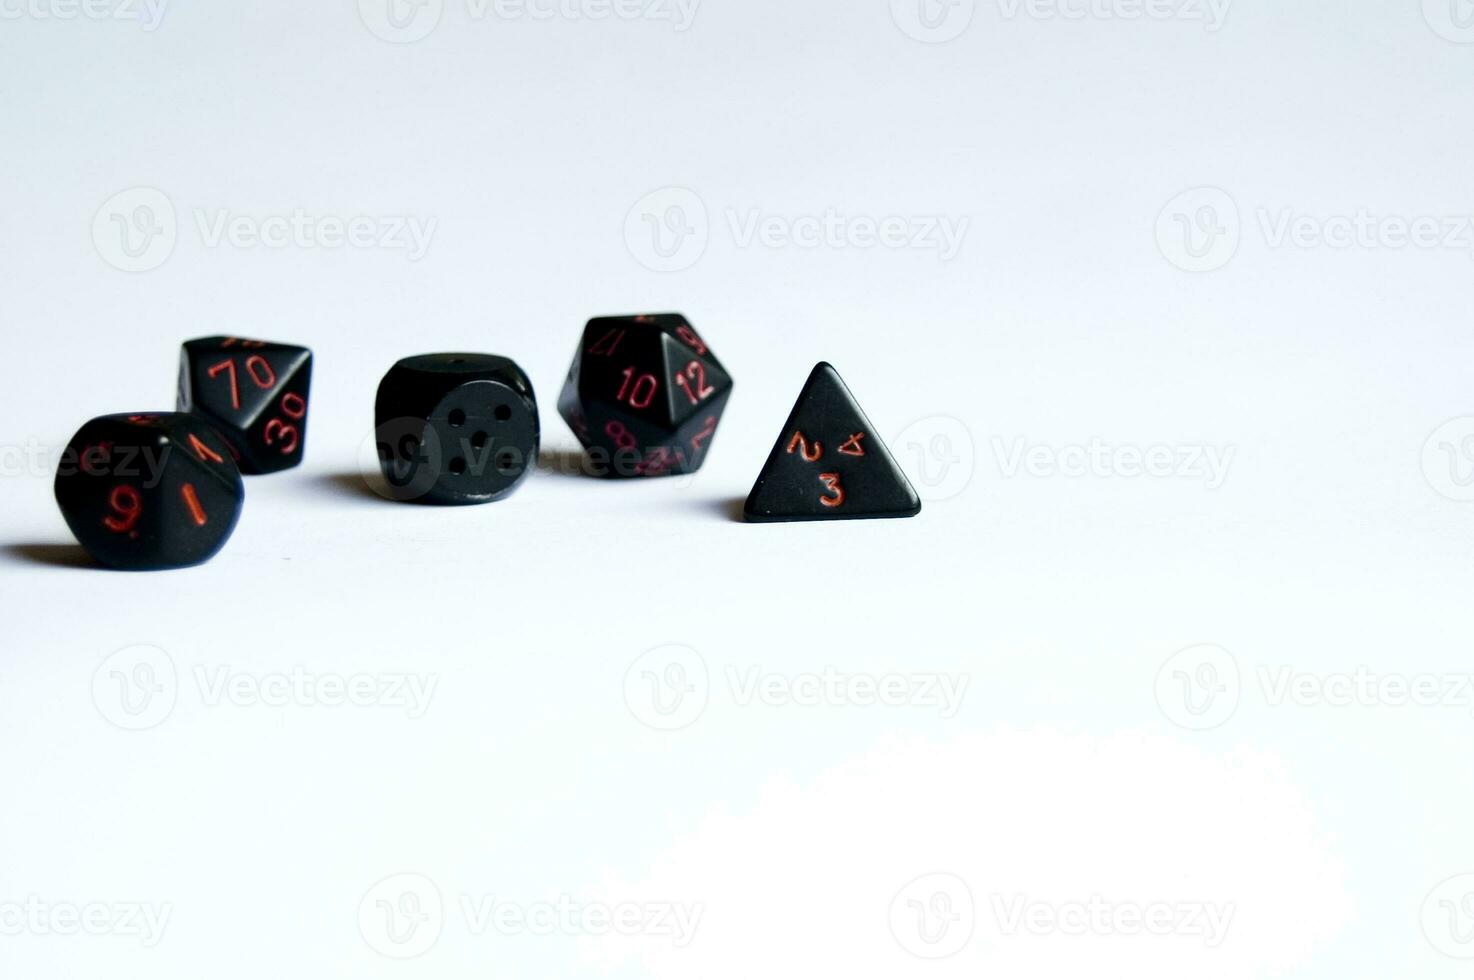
x: 1089, y: 760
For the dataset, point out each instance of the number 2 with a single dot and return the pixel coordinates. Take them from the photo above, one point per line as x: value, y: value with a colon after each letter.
x: 800, y: 442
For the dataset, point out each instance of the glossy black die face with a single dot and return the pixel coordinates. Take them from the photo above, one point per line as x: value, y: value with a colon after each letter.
x: 456, y: 428
x: 829, y: 463
x: 255, y: 393
x: 149, y: 491
x: 644, y: 395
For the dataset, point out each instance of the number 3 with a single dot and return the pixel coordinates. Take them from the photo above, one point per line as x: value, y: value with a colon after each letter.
x: 291, y: 437
x: 293, y: 406
x: 831, y: 485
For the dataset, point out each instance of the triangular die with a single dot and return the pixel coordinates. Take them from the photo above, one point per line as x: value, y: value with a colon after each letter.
x: 829, y: 463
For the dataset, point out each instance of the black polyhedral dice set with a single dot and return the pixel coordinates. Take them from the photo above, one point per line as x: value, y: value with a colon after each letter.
x: 644, y: 396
